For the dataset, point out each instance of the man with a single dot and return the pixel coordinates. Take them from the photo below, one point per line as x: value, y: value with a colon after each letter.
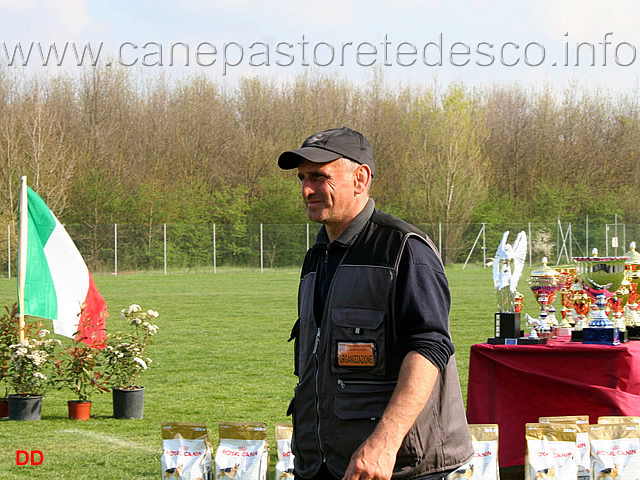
x: 378, y: 392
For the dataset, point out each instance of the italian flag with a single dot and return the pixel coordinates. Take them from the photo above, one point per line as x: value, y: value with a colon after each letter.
x: 57, y: 282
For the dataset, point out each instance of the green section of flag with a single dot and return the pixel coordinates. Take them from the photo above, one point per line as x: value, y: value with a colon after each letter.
x: 39, y: 293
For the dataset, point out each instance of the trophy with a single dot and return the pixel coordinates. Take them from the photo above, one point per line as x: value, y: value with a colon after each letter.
x: 581, y: 305
x: 632, y: 275
x: 544, y: 282
x: 507, y: 269
x: 568, y: 275
x: 617, y: 305
x: 601, y: 277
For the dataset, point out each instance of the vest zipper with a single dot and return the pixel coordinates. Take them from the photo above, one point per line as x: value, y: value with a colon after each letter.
x: 343, y: 383
x: 317, y: 394
x: 315, y: 355
x: 315, y: 345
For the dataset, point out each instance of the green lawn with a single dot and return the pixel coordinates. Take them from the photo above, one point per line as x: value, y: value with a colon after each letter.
x: 221, y: 354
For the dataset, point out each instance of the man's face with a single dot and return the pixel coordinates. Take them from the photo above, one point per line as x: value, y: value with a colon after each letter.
x: 328, y: 190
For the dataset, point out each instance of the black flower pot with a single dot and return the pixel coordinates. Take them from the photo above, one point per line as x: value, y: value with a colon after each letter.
x: 25, y: 408
x: 128, y: 403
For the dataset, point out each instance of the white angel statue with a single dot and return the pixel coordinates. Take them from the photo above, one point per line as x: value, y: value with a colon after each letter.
x: 507, y: 269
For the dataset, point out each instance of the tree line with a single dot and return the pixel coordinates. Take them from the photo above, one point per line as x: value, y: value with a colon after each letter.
x: 114, y: 146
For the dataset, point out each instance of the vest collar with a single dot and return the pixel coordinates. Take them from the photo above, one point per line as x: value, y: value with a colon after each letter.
x: 351, y: 232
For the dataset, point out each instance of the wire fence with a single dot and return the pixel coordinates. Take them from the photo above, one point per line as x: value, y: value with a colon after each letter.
x: 117, y: 249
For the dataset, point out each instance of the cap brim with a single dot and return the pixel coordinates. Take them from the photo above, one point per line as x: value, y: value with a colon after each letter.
x: 290, y: 159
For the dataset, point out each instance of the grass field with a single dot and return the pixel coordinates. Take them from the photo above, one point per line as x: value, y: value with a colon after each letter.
x: 221, y: 354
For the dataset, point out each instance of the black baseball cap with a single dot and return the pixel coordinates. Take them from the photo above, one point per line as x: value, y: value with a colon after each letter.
x: 329, y: 145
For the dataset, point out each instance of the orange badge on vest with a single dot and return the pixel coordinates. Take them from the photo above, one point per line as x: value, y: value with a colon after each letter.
x: 357, y: 354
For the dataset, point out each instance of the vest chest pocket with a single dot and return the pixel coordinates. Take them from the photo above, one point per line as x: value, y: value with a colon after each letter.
x: 358, y: 341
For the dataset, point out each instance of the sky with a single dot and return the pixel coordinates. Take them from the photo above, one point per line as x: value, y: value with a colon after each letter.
x: 559, y: 43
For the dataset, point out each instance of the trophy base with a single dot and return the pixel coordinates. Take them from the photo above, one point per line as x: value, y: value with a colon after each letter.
x: 576, y: 336
x: 516, y: 341
x: 507, y: 325
x: 634, y: 333
x: 565, y: 331
x: 601, y: 336
x: 624, y: 336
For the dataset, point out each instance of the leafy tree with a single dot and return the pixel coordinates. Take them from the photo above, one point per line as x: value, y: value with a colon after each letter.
x: 447, y: 161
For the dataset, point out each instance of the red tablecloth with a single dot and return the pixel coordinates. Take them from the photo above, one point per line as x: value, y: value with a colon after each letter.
x: 512, y: 385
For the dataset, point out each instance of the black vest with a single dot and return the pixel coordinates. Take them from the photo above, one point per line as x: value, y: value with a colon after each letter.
x: 336, y: 406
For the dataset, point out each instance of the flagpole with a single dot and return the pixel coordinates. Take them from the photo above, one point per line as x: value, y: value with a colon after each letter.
x: 22, y: 254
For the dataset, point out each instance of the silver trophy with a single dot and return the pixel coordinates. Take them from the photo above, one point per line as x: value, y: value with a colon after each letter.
x: 601, y: 278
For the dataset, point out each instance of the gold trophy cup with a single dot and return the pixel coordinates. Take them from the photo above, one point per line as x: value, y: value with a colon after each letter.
x: 544, y: 282
x: 632, y: 274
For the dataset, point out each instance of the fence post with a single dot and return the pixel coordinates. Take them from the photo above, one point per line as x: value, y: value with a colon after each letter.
x: 164, y: 225
x: 214, y: 248
x: 615, y: 232
x: 115, y: 249
x: 586, y: 228
x: 307, y: 236
x: 8, y: 250
x: 484, y: 245
x: 261, y: 251
x: 530, y: 241
x: 570, y: 244
x: 440, y: 239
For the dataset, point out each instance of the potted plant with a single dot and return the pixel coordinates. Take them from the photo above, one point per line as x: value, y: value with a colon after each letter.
x: 8, y: 337
x: 78, y: 368
x: 125, y: 360
x: 30, y: 374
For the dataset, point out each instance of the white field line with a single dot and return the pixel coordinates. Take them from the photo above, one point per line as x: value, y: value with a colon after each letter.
x: 102, y: 437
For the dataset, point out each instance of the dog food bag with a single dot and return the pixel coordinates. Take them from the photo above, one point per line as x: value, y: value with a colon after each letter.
x: 618, y: 419
x: 186, y: 451
x: 584, y: 451
x: 243, y: 452
x: 551, y: 451
x: 484, y: 464
x: 284, y: 467
x: 615, y: 451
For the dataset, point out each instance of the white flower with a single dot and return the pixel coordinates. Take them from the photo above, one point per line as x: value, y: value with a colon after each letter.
x: 20, y: 351
x: 141, y: 362
x: 43, y: 333
x: 134, y: 308
x: 38, y: 357
x: 152, y: 313
x: 40, y: 376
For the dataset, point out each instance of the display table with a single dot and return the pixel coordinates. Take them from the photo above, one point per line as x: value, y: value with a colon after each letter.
x: 512, y: 385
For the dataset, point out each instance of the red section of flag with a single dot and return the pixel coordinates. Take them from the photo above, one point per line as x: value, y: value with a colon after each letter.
x: 92, y: 323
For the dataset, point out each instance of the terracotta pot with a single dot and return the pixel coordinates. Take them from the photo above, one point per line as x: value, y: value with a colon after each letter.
x: 79, y: 410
